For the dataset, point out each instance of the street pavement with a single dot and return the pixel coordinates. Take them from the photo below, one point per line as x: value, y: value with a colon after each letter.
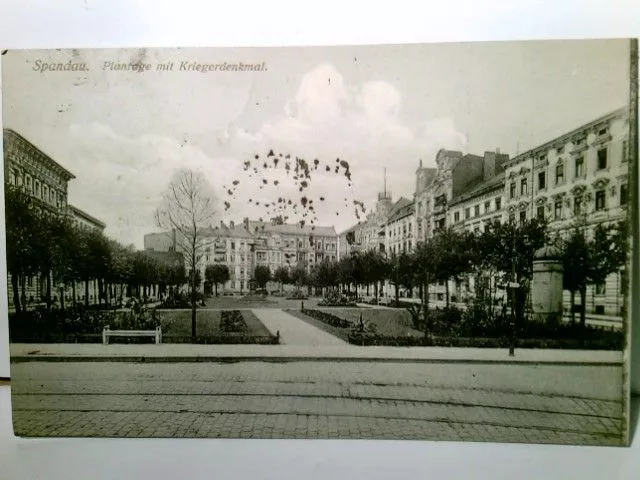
x: 566, y: 404
x: 292, y: 331
x: 30, y: 352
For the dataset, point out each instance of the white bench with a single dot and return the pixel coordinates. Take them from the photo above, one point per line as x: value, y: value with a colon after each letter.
x: 107, y: 332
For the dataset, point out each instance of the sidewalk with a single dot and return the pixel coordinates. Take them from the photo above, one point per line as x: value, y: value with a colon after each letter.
x: 293, y: 331
x: 21, y: 352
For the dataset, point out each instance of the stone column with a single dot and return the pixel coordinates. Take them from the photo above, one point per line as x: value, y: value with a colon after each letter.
x: 546, y: 285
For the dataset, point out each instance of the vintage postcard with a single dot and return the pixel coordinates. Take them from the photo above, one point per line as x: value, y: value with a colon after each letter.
x: 359, y: 242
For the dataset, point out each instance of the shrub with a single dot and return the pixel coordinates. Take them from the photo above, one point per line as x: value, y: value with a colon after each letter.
x: 333, y: 298
x: 181, y: 300
x: 297, y: 295
x: 328, y: 318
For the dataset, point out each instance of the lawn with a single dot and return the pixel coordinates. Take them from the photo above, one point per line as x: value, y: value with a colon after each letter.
x: 257, y: 301
x: 177, y: 323
x: 388, y: 322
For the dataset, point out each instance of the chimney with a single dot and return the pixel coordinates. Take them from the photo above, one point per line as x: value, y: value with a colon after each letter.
x: 489, y: 167
x: 231, y: 224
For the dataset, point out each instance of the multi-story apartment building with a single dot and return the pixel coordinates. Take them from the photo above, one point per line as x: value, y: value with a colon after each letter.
x: 45, y: 180
x: 577, y: 179
x: 400, y: 228
x: 455, y: 174
x: 244, y: 246
x: 26, y: 166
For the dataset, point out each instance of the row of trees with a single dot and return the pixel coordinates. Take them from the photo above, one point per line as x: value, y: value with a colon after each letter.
x: 503, y: 254
x: 48, y: 246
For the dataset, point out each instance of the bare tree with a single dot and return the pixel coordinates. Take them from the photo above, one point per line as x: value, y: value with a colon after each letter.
x: 187, y: 209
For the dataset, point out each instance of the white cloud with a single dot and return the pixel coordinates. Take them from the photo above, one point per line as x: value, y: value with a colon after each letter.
x: 121, y: 177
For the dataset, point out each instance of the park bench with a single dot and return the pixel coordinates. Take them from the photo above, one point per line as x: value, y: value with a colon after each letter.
x: 107, y: 332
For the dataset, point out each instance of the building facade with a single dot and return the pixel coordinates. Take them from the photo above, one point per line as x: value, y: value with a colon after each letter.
x: 244, y: 246
x: 83, y: 220
x: 46, y: 181
x: 578, y: 179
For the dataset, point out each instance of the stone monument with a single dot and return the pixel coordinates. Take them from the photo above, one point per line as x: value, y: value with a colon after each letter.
x: 546, y: 285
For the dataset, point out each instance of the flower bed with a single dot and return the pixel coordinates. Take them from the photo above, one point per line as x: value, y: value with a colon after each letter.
x: 232, y: 321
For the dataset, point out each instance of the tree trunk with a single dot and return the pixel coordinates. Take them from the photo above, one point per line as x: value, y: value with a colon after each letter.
x: 397, y: 295
x: 215, y: 286
x: 86, y: 293
x: 23, y: 299
x: 573, y: 301
x: 73, y: 293
x: 16, y: 293
x: 375, y: 289
x: 446, y: 289
x: 62, y: 298
x: 48, y: 290
x: 425, y: 308
x: 583, y: 310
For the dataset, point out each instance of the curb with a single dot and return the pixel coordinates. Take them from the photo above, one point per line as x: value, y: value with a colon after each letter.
x: 291, y: 359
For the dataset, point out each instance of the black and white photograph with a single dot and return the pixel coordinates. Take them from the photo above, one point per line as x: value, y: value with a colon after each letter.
x: 385, y: 242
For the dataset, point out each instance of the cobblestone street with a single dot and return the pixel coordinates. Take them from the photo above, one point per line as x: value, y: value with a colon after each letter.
x: 516, y: 403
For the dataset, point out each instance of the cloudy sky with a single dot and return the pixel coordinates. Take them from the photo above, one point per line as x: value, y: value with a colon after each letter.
x: 123, y: 134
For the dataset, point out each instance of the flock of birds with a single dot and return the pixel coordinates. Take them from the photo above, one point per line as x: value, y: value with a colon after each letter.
x: 301, y: 172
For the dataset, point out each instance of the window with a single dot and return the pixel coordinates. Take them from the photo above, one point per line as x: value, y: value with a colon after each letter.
x: 600, y: 200
x: 523, y: 186
x: 601, y: 288
x: 557, y: 213
x: 602, y: 159
x: 523, y: 215
x: 498, y: 203
x: 579, y: 167
x: 542, y: 178
x: 233, y: 245
x: 625, y: 150
x: 624, y: 194
x: 29, y: 184
x: 476, y: 210
x: 467, y: 213
x: 559, y: 174
x: 487, y: 206
x: 456, y: 217
x: 540, y: 212
x: 512, y: 190
x: 440, y: 223
x: 577, y: 206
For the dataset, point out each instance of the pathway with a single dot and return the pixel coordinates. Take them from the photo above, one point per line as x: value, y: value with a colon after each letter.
x: 294, y: 331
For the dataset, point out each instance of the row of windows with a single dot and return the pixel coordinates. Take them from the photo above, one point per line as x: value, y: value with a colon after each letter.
x: 602, y: 162
x: 36, y: 188
x: 579, y: 205
x: 476, y: 210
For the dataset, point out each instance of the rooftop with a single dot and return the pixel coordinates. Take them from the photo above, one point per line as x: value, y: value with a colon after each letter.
x: 494, y: 183
x: 81, y: 213
x: 9, y: 135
